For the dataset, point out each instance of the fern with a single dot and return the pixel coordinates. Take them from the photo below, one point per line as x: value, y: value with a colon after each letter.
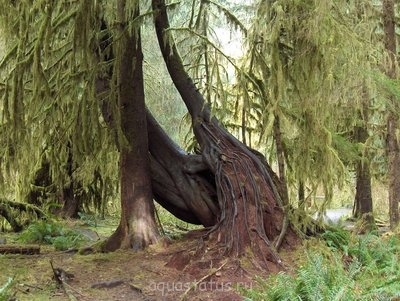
x: 337, y: 238
x: 371, y: 272
x: 51, y: 233
x: 320, y: 278
x: 324, y: 280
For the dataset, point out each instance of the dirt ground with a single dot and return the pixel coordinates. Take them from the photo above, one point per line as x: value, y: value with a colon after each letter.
x: 167, y: 271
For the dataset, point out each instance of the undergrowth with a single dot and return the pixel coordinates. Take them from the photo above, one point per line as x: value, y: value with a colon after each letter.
x: 340, y: 266
x: 52, y: 233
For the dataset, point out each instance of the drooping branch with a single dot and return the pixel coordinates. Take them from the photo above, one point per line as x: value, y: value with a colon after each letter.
x: 8, y: 210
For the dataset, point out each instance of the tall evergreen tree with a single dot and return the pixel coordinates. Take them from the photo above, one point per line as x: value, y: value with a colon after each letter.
x: 392, y: 140
x: 137, y: 228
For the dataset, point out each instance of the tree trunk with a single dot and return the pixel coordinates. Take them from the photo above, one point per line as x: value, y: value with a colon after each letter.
x: 392, y: 143
x: 394, y: 169
x: 68, y: 198
x: 137, y: 228
x: 301, y: 196
x: 182, y: 183
x: 363, y: 197
x: 42, y: 181
x: 251, y: 210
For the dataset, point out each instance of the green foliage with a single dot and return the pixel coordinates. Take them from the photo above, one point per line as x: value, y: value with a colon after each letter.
x: 390, y: 88
x: 50, y: 112
x: 337, y: 238
x: 357, y: 268
x: 4, y: 290
x: 51, y: 233
x: 308, y: 67
x: 319, y: 279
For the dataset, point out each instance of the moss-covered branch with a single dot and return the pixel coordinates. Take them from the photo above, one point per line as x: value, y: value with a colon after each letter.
x: 10, y: 211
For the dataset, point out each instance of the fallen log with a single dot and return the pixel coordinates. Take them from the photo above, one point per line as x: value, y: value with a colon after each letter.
x: 15, y: 249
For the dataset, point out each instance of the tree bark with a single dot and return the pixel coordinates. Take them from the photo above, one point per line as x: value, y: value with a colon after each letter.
x: 68, y: 197
x: 363, y: 198
x: 251, y: 210
x: 392, y: 143
x: 137, y: 228
x: 182, y: 183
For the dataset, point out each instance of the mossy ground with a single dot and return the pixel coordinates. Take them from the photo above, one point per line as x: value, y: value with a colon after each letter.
x: 180, y: 267
x: 169, y: 270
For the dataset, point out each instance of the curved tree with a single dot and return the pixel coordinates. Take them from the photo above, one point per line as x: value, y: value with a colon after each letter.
x: 251, y: 212
x: 226, y: 186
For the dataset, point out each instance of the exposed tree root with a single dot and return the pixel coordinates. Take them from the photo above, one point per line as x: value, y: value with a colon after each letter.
x: 250, y: 216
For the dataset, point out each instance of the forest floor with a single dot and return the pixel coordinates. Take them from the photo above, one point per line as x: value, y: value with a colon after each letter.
x: 170, y: 270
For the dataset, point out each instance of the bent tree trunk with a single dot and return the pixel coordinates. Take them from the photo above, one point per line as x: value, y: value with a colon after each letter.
x: 181, y: 183
x: 137, y: 228
x: 251, y: 211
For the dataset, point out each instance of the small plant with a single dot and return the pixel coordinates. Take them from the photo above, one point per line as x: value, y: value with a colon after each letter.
x: 381, y: 267
x: 51, y: 233
x: 66, y: 242
x: 5, y: 290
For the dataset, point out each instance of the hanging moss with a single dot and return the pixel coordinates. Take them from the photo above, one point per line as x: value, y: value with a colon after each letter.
x: 49, y: 109
x: 314, y: 60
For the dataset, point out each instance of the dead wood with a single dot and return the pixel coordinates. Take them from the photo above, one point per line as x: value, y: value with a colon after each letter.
x: 14, y: 249
x: 61, y: 277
